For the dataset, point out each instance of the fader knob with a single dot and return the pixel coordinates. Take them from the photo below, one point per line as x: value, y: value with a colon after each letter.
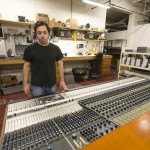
x: 111, y: 128
x: 49, y: 147
x: 74, y: 136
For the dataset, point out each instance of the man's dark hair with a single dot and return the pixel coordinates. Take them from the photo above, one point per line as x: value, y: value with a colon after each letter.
x: 41, y: 23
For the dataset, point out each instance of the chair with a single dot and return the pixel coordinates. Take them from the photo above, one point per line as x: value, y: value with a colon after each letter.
x: 95, y: 66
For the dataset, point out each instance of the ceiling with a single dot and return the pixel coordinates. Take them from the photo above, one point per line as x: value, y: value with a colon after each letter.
x: 117, y: 16
x: 117, y: 19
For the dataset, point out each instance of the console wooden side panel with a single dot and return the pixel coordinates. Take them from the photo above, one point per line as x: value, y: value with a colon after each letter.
x: 3, y: 116
x: 133, y: 136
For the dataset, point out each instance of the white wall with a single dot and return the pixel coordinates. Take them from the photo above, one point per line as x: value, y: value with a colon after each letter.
x: 116, y: 35
x: 136, y: 35
x: 10, y: 10
x: 58, y: 9
x: 140, y: 36
x: 134, y: 32
x: 61, y: 10
x: 118, y: 38
x: 85, y: 14
x: 128, y: 5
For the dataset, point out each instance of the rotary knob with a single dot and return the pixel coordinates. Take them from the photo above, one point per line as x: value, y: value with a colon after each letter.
x: 49, y: 147
x: 74, y: 136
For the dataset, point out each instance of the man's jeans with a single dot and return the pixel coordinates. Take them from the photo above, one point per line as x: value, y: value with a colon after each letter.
x: 41, y: 91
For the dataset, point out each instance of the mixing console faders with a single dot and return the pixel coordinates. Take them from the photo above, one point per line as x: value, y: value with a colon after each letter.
x: 71, y: 132
x: 37, y: 103
x: 43, y: 136
x: 85, y: 128
x: 77, y: 94
x: 120, y: 101
x: 91, y: 133
x: 71, y: 120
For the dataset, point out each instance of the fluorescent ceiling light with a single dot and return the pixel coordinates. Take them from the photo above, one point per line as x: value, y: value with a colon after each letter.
x: 96, y: 4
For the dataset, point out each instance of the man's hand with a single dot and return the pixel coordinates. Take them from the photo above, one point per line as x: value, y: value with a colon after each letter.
x: 26, y: 89
x: 63, y: 85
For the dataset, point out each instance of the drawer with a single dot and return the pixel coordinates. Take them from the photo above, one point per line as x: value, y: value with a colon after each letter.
x: 106, y: 65
x: 106, y: 60
x: 105, y: 72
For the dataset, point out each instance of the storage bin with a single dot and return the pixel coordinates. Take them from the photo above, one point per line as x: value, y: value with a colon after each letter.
x: 80, y: 74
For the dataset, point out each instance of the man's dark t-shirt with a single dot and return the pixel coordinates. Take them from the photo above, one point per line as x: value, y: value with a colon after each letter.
x: 43, y: 59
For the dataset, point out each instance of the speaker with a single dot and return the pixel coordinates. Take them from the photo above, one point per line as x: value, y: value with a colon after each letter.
x: 62, y: 33
x: 90, y: 35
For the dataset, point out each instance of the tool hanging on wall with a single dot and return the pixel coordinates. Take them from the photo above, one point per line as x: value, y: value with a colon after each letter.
x: 9, y: 52
x: 29, y: 36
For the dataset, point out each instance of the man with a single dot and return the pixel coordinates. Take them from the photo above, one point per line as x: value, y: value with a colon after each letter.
x: 40, y: 58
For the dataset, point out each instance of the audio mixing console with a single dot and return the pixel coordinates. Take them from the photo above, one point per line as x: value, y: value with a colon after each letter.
x: 71, y: 120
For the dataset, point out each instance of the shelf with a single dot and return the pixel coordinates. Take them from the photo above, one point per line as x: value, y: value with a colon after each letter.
x: 14, y: 61
x: 113, y: 48
x: 96, y: 40
x: 137, y: 74
x: 135, y: 67
x: 16, y: 23
x: 135, y: 53
x: 114, y: 53
x: 75, y: 29
x: 53, y: 27
x: 61, y: 38
x: 67, y: 28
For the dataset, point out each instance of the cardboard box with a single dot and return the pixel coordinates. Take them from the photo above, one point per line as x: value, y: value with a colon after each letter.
x: 52, y: 22
x: 95, y: 29
x: 59, y: 24
x: 42, y: 17
x: 73, y: 23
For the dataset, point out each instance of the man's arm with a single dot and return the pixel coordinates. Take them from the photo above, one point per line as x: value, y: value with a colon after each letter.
x: 61, y: 75
x: 26, y: 72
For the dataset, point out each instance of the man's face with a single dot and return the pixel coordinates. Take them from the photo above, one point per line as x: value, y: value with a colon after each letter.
x: 42, y: 35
